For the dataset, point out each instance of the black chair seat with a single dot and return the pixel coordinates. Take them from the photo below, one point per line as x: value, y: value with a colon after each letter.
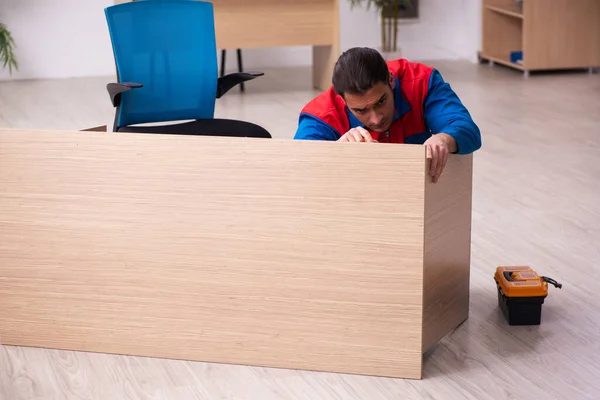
x: 206, y: 127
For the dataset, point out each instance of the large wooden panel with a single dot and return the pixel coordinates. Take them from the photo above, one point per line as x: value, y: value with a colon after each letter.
x: 447, y: 256
x: 279, y: 253
x: 268, y: 23
x: 558, y: 34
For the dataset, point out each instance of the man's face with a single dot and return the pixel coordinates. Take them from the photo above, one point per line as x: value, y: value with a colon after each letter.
x: 375, y: 108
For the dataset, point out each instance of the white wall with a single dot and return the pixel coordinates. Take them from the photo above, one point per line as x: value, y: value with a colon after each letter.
x: 447, y: 29
x: 69, y: 38
x: 58, y: 38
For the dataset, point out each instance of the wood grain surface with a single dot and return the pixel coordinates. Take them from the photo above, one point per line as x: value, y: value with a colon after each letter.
x: 447, y: 250
x: 260, y: 252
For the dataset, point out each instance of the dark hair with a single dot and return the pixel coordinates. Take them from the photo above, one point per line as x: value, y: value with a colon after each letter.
x: 359, y: 69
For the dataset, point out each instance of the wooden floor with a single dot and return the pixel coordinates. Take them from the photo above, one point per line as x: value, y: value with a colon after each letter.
x: 536, y: 202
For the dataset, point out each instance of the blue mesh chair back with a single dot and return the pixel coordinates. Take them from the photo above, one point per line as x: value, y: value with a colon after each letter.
x: 168, y: 46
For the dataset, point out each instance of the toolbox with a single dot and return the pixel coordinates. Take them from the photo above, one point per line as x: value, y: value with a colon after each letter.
x: 521, y: 293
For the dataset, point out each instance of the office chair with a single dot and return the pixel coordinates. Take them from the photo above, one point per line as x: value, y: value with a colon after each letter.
x: 166, y: 60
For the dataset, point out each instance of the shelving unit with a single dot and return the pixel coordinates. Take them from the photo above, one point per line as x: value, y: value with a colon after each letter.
x: 551, y: 34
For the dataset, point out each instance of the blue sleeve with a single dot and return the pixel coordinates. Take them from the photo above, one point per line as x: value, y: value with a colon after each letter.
x: 444, y: 112
x: 312, y: 128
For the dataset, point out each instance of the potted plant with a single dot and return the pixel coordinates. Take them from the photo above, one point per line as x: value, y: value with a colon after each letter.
x: 390, y: 11
x: 7, y: 49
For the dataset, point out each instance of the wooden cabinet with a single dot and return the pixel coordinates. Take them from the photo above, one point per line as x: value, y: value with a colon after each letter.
x: 551, y: 34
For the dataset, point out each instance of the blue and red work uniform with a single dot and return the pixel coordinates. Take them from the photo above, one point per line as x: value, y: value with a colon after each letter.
x: 424, y: 105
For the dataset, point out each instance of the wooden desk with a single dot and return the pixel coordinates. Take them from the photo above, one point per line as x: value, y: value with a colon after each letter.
x: 279, y: 23
x: 340, y: 257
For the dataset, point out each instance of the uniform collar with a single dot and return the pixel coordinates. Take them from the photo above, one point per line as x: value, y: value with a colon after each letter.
x: 401, y: 105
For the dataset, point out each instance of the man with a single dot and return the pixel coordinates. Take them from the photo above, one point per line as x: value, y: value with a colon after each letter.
x: 397, y: 101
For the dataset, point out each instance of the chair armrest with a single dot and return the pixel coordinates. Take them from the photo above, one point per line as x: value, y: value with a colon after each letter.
x: 115, y: 90
x: 230, y: 80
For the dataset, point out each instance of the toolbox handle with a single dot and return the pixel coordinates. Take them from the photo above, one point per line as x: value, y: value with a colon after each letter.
x: 552, y: 281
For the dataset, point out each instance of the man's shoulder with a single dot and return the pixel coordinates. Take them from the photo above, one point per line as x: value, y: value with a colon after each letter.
x: 330, y: 108
x: 325, y: 102
x: 406, y: 70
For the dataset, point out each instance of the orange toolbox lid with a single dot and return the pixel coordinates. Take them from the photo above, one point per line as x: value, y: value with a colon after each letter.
x: 520, y: 281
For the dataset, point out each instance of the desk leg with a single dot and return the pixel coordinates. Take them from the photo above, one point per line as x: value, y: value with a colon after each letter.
x: 324, y: 58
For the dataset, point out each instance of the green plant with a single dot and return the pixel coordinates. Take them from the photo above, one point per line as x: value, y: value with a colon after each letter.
x: 7, y: 49
x: 390, y: 14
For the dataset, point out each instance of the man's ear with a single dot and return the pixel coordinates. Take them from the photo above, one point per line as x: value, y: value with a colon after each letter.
x: 392, y: 81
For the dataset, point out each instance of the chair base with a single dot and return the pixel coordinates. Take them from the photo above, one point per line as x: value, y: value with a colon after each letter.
x: 207, y: 127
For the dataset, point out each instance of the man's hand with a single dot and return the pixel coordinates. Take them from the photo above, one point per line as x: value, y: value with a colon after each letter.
x: 438, y: 148
x: 357, y: 135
